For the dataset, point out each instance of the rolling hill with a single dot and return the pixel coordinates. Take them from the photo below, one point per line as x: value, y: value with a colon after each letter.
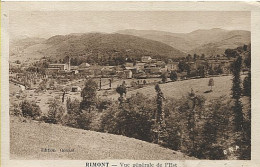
x: 99, y: 44
x: 133, y: 43
x: 28, y: 138
x: 210, y: 42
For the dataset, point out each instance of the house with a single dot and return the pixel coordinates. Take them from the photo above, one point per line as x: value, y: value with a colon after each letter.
x: 75, y: 89
x: 22, y: 87
x: 127, y: 64
x: 108, y: 70
x: 74, y: 69
x: 152, y: 70
x: 52, y: 70
x: 160, y: 64
x: 59, y: 67
x: 139, y: 67
x: 146, y: 59
x: 84, y: 65
x: 120, y: 74
x: 172, y: 66
x: 133, y: 69
x: 128, y: 74
x: 94, y: 70
x: 163, y: 70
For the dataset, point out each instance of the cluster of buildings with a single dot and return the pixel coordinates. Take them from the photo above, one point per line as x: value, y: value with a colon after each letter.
x: 147, y: 67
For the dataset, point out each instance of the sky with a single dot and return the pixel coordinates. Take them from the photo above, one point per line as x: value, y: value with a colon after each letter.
x: 45, y: 24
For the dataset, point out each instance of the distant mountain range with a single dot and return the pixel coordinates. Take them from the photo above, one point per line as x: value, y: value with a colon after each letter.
x: 210, y: 42
x: 135, y: 43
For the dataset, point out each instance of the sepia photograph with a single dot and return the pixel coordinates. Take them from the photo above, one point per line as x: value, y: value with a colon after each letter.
x: 136, y: 85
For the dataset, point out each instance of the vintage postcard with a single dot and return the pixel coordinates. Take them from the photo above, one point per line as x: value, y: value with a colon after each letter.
x: 130, y: 84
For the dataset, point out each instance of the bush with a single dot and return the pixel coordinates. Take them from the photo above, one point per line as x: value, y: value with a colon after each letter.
x: 173, y: 76
x: 89, y: 95
x: 30, y: 109
x: 134, y: 118
x: 55, y: 113
x: 84, y: 120
x: 76, y: 117
x: 103, y: 104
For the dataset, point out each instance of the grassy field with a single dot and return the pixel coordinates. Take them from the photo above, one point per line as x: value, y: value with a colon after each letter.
x: 28, y: 138
x: 222, y: 86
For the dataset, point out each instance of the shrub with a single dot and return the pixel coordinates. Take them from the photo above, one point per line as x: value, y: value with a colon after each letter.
x: 55, y: 113
x: 103, y: 104
x: 16, y: 110
x: 76, y: 117
x: 84, y: 120
x: 30, y: 109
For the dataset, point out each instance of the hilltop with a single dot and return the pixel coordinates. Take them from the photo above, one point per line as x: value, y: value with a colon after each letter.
x: 28, y: 138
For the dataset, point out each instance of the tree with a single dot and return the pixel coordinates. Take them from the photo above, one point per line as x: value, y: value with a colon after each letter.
x: 189, y: 57
x: 144, y: 82
x: 121, y: 90
x: 218, y: 131
x: 195, y: 57
x: 63, y: 96
x: 183, y: 66
x: 89, y: 95
x: 164, y: 77
x: 160, y: 116
x: 43, y: 85
x: 247, y: 85
x: 211, y: 83
x: 173, y: 76
x: 247, y: 80
x: 73, y: 106
x: 132, y: 119
x: 55, y: 113
x: 110, y: 83
x: 30, y: 109
x: 201, y: 71
x: 231, y: 53
x: 100, y: 83
x: 236, y: 93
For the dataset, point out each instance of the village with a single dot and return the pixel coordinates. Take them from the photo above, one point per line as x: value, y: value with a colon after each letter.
x: 147, y: 68
x: 62, y: 80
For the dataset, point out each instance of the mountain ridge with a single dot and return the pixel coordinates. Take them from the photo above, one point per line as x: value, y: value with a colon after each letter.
x: 104, y: 44
x: 195, y: 40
